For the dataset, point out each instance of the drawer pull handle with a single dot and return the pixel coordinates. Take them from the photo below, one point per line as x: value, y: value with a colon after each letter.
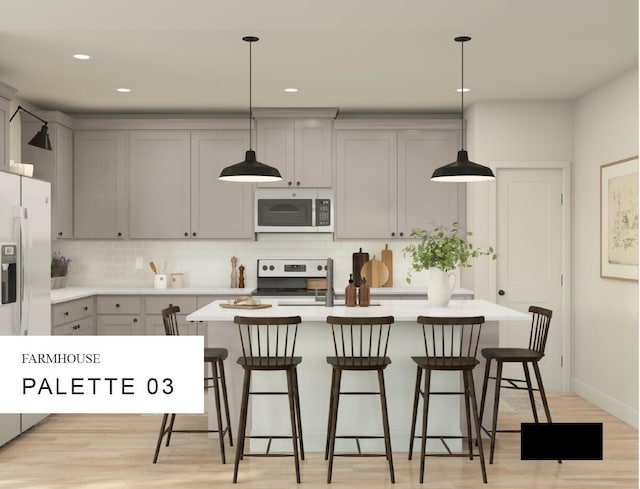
x: 77, y: 326
x: 135, y: 320
x: 86, y: 308
x: 117, y: 305
x: 66, y: 313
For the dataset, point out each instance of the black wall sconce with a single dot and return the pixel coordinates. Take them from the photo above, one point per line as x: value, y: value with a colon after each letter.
x: 41, y: 139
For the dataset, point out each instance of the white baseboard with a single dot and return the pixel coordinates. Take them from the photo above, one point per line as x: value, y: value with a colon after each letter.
x: 626, y: 413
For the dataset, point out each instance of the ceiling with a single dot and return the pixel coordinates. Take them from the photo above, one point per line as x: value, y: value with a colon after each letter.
x: 187, y: 56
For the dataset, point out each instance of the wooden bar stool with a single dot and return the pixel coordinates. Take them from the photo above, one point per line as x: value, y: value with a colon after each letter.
x: 360, y: 344
x: 268, y: 344
x: 451, y: 344
x: 215, y: 358
x: 541, y: 319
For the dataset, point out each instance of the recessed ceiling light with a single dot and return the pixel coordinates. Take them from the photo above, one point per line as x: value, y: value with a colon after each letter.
x: 291, y: 90
x: 123, y: 90
x: 465, y: 90
x: 81, y: 56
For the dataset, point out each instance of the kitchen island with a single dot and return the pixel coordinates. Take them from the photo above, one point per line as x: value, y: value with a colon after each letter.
x: 358, y: 414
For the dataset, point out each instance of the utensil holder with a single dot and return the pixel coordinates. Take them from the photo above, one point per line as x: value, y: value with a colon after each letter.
x: 160, y: 281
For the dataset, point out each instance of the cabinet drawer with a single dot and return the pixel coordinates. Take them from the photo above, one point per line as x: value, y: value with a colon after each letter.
x: 154, y: 305
x: 120, y: 325
x: 72, y: 311
x: 84, y: 326
x: 118, y: 304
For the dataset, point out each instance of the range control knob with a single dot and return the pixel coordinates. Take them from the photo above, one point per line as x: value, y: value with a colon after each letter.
x: 272, y: 268
x: 264, y: 267
x: 319, y: 267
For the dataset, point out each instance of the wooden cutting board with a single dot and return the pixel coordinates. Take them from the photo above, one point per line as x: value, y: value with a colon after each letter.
x: 244, y: 306
x: 387, y: 258
x: 375, y: 272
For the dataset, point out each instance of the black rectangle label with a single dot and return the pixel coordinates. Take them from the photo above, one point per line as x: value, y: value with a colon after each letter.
x: 561, y: 441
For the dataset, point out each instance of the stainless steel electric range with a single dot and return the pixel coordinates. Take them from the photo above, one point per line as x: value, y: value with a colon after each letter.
x: 282, y: 277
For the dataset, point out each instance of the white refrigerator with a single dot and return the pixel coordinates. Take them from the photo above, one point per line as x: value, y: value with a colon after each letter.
x: 25, y: 271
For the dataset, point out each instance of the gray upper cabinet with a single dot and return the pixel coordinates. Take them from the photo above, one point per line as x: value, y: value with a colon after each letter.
x: 383, y: 182
x: 100, y: 181
x: 366, y: 184
x: 56, y: 167
x: 159, y: 188
x: 422, y: 202
x: 219, y: 209
x: 299, y: 148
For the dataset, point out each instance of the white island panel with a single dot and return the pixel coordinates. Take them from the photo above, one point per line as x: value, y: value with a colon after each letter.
x: 358, y: 414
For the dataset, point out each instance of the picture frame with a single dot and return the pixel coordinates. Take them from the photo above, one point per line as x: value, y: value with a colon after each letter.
x: 619, y: 219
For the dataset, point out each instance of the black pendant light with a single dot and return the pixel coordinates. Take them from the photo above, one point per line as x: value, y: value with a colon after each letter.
x: 462, y: 170
x: 250, y: 170
x: 41, y: 139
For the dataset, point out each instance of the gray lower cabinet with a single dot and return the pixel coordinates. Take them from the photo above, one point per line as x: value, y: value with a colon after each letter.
x: 120, y: 315
x: 153, y: 319
x: 74, y: 317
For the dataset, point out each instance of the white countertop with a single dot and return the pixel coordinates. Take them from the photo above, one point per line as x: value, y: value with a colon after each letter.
x: 72, y: 293
x: 401, y: 310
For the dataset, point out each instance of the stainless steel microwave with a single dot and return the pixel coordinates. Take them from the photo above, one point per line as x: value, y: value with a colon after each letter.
x: 294, y: 210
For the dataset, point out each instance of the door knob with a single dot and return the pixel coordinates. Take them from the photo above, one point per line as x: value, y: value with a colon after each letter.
x: 501, y: 292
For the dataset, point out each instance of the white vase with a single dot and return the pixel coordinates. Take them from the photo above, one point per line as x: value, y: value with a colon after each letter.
x: 441, y: 286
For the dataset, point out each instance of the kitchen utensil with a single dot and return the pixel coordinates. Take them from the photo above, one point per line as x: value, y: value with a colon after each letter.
x: 244, y: 306
x: 234, y: 273
x: 153, y: 267
x: 359, y: 259
x: 375, y: 272
x: 387, y: 258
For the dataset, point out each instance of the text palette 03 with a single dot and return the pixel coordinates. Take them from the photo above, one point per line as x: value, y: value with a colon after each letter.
x: 101, y: 374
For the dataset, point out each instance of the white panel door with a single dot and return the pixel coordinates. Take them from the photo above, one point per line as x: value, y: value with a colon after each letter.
x: 529, y: 266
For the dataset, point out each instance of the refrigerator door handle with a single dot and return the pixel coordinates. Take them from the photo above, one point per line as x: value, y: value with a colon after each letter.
x: 24, y: 267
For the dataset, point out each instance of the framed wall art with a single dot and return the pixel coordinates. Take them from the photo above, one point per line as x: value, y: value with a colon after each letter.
x: 619, y: 219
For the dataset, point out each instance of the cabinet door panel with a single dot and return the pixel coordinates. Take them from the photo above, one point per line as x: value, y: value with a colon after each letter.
x: 313, y: 153
x: 62, y: 187
x: 219, y: 209
x: 159, y: 184
x: 122, y: 325
x: 366, y: 184
x: 100, y: 199
x: 275, y: 147
x: 422, y: 202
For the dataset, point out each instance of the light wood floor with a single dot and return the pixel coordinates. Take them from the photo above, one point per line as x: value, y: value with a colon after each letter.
x: 115, y: 452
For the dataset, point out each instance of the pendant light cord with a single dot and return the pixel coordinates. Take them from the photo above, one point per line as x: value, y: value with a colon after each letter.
x: 250, y: 101
x: 462, y: 94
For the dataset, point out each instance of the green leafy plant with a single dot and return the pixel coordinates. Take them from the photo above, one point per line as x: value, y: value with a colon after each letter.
x: 443, y: 247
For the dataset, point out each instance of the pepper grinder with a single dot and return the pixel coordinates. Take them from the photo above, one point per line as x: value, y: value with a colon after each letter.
x: 364, y: 294
x: 234, y: 273
x: 241, y: 279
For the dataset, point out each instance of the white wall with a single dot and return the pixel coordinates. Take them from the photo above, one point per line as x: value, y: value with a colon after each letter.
x: 605, y: 311
x: 517, y: 131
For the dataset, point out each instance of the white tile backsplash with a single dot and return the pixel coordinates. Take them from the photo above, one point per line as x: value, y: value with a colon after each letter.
x: 208, y: 263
